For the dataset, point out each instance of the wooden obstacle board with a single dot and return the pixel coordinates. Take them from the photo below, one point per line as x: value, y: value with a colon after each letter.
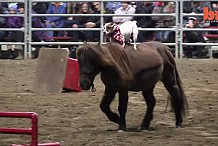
x: 50, y: 70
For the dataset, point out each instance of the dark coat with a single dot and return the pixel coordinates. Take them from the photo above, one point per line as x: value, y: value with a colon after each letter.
x: 144, y: 21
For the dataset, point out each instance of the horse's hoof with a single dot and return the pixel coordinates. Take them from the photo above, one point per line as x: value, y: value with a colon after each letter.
x: 179, y: 126
x: 143, y: 128
x: 121, y: 131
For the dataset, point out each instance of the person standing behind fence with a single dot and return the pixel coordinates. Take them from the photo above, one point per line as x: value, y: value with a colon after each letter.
x: 125, y: 9
x: 145, y: 21
x: 40, y: 8
x: 15, y: 36
x: 193, y: 37
x: 110, y: 8
x: 95, y: 22
x: 55, y: 21
x: 81, y: 22
x: 2, y: 24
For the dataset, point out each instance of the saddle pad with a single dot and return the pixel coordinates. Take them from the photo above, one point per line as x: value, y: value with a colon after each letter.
x: 146, y: 56
x: 50, y: 71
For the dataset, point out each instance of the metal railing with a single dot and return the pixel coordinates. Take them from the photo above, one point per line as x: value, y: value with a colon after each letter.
x: 28, y: 29
x: 102, y: 15
x: 182, y: 29
x: 24, y: 29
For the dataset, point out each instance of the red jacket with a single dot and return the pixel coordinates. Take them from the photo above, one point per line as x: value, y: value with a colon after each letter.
x: 118, y: 36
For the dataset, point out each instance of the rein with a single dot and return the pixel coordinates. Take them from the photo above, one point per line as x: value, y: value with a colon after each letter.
x: 93, y: 89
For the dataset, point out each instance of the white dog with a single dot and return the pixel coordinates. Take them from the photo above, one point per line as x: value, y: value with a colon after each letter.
x: 122, y: 33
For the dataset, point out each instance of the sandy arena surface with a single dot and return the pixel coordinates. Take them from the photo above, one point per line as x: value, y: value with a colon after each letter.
x: 75, y: 119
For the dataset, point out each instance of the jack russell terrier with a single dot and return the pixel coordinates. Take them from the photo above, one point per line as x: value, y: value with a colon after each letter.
x: 122, y: 33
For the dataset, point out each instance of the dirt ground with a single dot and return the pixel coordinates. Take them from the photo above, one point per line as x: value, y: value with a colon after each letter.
x: 75, y: 119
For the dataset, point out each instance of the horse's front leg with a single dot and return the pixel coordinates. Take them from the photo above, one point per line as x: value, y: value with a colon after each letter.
x: 122, y: 108
x: 105, y: 105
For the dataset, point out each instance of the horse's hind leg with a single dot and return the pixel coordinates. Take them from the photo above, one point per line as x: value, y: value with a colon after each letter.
x: 105, y: 105
x: 122, y: 108
x: 150, y: 101
x: 169, y: 80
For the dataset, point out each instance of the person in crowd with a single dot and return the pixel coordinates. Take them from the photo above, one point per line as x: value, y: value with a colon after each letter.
x: 55, y: 21
x: 95, y: 22
x: 193, y: 37
x: 158, y: 9
x: 39, y: 22
x: 110, y: 8
x: 3, y: 24
x: 15, y: 36
x: 165, y: 21
x: 40, y: 8
x: 214, y: 7
x: 38, y: 36
x: 145, y: 21
x: 84, y: 22
x: 197, y: 7
x: 125, y: 9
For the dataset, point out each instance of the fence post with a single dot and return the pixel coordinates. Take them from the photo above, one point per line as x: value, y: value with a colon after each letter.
x: 181, y: 30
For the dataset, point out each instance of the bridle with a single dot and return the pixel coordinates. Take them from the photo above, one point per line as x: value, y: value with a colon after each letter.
x: 93, y: 89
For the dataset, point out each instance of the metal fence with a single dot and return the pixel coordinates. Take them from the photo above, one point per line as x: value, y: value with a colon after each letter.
x: 28, y: 29
x: 182, y: 29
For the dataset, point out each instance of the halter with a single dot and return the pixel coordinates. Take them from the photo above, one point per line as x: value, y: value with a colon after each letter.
x: 93, y: 89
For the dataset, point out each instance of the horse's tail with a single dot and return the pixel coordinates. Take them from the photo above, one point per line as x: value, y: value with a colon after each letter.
x: 184, y: 102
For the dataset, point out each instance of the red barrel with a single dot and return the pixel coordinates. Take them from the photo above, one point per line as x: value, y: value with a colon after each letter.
x: 71, y: 81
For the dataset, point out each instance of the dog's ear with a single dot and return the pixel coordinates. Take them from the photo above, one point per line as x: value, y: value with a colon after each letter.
x: 113, y: 24
x: 99, y: 43
x: 85, y: 43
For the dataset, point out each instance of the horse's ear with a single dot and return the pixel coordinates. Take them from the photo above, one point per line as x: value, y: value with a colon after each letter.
x: 99, y: 43
x: 85, y: 43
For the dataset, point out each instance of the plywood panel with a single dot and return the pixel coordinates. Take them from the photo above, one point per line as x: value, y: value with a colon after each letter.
x: 50, y: 71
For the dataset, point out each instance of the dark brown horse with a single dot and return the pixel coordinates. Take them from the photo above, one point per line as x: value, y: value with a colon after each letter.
x: 126, y: 69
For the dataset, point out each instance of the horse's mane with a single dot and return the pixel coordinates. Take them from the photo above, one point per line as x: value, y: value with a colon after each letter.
x: 111, y: 55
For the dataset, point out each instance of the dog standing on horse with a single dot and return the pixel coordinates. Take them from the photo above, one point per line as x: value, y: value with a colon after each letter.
x: 122, y: 33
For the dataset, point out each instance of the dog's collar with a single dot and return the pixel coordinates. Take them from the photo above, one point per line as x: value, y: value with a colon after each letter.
x: 116, y: 30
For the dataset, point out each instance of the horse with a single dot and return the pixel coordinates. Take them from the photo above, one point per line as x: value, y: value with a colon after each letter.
x: 125, y: 69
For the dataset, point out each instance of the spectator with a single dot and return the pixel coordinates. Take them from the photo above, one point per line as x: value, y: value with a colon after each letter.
x: 95, y: 22
x: 40, y: 8
x: 197, y: 7
x: 2, y: 24
x: 55, y: 21
x: 110, y: 8
x: 83, y: 22
x: 38, y: 36
x: 125, y: 9
x: 15, y: 36
x: 165, y: 22
x: 193, y: 37
x: 214, y: 7
x: 144, y: 21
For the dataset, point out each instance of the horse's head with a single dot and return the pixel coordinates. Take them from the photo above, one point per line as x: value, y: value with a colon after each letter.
x: 87, y: 64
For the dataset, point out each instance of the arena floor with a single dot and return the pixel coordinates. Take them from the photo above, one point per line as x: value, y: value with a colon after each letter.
x: 75, y: 119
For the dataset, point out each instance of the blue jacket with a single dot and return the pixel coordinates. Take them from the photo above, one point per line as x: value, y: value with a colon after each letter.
x: 61, y: 9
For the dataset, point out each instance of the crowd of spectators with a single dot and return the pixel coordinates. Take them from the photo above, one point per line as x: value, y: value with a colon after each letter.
x: 121, y: 8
